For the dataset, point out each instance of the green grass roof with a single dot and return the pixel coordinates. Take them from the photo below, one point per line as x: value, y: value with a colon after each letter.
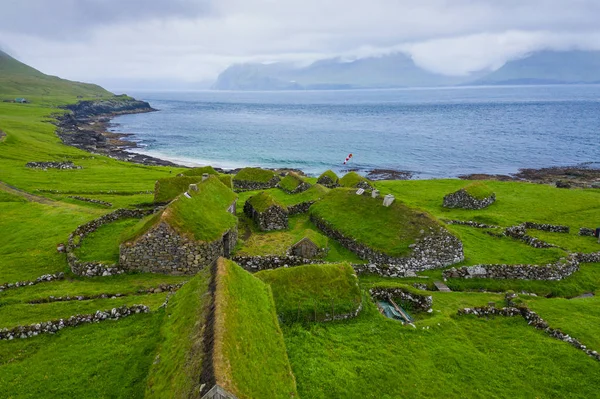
x: 263, y: 201
x: 310, y: 288
x: 227, y: 180
x: 478, y: 190
x: 386, y: 229
x: 331, y: 174
x: 250, y: 357
x: 254, y: 174
x: 200, y: 171
x: 351, y: 179
x: 291, y: 181
x: 169, y: 188
x: 204, y: 216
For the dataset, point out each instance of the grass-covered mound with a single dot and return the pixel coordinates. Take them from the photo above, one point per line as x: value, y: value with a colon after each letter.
x: 204, y: 216
x: 292, y: 182
x: 200, y: 171
x: 386, y: 229
x: 352, y: 180
x: 328, y: 178
x: 176, y: 371
x: 169, y: 188
x: 250, y: 358
x: 263, y: 201
x: 257, y: 175
x: 478, y: 190
x: 313, y: 292
x: 227, y: 180
x: 103, y: 244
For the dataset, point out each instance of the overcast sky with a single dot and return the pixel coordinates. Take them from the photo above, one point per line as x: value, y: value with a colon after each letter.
x: 193, y: 40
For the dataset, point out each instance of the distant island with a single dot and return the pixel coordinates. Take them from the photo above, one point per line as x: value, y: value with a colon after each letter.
x: 399, y: 70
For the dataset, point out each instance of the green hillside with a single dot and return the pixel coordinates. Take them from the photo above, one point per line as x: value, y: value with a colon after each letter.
x: 18, y: 80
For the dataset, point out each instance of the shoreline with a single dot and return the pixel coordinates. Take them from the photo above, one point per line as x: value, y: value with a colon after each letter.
x: 87, y: 128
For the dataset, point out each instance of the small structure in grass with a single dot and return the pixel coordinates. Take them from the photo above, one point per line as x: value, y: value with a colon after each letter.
x: 328, y: 179
x: 473, y: 196
x: 188, y: 235
x: 21, y: 100
x: 268, y: 213
x: 255, y: 179
x: 305, y: 248
x: 169, y: 188
x: 354, y: 180
x: 293, y: 183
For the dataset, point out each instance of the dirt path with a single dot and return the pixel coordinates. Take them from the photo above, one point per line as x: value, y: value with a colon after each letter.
x: 29, y: 197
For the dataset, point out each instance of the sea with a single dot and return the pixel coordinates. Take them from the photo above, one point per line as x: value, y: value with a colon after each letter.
x: 430, y: 132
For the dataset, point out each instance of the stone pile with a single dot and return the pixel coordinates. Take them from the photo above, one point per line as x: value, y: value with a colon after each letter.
x: 462, y: 199
x: 91, y: 200
x: 42, y: 279
x: 258, y: 263
x: 533, y: 319
x: 52, y: 165
x: 53, y: 326
x: 436, y: 248
x: 419, y: 302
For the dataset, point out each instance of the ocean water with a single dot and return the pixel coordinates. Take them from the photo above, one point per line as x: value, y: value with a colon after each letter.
x: 441, y: 132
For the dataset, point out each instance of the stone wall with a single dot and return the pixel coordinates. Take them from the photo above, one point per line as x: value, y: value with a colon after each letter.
x: 164, y: 250
x: 553, y: 228
x: 586, y: 231
x: 471, y: 223
x: 533, y: 319
x: 520, y: 233
x: 258, y: 263
x: 303, y: 186
x: 434, y: 249
x: 52, y: 165
x: 273, y: 218
x: 53, y: 326
x: 245, y: 185
x: 299, y: 208
x: 462, y: 199
x: 91, y: 200
x: 421, y: 303
x: 90, y: 269
x: 327, y: 182
x: 42, y: 279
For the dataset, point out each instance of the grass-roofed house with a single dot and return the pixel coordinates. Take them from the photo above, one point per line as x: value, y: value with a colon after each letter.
x: 293, y: 183
x: 328, y: 179
x: 188, y: 235
x: 255, y: 179
x: 268, y: 213
x: 354, y: 180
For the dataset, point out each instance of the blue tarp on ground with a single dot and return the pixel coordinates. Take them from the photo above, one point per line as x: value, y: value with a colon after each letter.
x: 390, y: 311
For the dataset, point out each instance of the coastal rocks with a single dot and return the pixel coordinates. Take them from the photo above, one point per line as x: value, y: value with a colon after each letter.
x: 462, y: 199
x: 53, y: 326
x: 420, y: 303
x: 91, y: 200
x: 52, y: 165
x: 533, y: 319
x: 91, y: 269
x: 42, y: 279
x: 436, y: 248
x: 164, y: 250
x: 258, y: 263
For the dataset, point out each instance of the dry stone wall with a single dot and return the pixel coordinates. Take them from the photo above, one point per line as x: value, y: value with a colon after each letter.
x: 533, y: 319
x: 471, y: 223
x: 246, y: 185
x: 164, y: 250
x: 273, y: 218
x: 434, y: 249
x: 419, y: 302
x: 53, y: 326
x: 519, y: 232
x: 91, y: 200
x: 258, y: 263
x: 299, y: 208
x: 52, y: 165
x: 462, y: 199
x: 553, y: 228
x: 42, y: 279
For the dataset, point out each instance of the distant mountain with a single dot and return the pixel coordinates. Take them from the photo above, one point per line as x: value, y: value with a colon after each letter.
x: 395, y: 70
x: 18, y: 79
x: 548, y: 67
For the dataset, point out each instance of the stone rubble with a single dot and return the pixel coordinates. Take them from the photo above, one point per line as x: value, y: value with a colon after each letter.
x: 462, y: 199
x: 52, y: 165
x: 471, y: 224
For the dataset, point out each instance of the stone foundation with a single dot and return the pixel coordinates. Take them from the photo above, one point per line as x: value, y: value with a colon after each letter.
x: 257, y: 263
x: 462, y: 199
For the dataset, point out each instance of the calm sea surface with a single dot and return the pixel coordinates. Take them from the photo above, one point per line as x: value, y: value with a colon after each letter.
x: 431, y: 132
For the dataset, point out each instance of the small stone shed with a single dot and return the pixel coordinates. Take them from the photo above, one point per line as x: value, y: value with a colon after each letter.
x: 255, y: 179
x: 188, y: 235
x: 305, y: 248
x: 328, y: 179
x: 473, y: 196
x: 293, y: 183
x: 268, y: 213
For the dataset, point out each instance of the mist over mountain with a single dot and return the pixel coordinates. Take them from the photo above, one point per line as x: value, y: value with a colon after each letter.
x: 399, y: 70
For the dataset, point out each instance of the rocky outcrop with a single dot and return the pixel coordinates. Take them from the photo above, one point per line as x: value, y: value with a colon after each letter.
x: 53, y: 326
x: 420, y: 303
x: 462, y: 199
x: 117, y: 106
x: 435, y: 248
x: 52, y: 165
x: 533, y: 319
